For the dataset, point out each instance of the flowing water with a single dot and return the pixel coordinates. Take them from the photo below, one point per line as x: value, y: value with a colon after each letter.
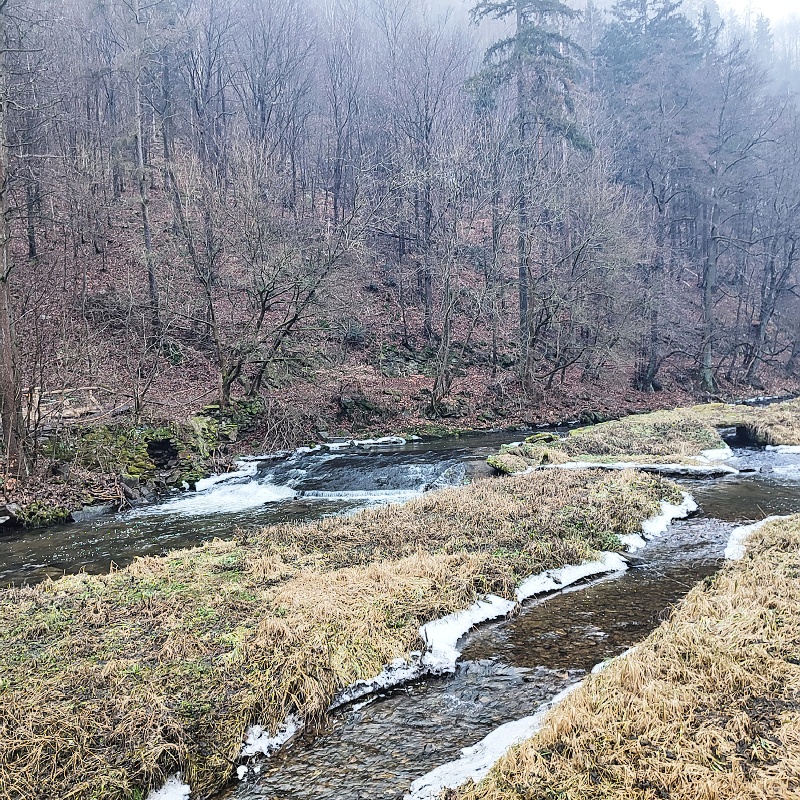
x: 377, y: 747
x: 292, y: 487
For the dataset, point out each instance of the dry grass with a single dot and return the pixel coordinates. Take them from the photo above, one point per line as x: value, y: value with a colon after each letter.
x: 662, y: 433
x: 663, y: 436
x: 707, y: 708
x: 675, y: 437
x: 110, y: 683
x: 775, y: 424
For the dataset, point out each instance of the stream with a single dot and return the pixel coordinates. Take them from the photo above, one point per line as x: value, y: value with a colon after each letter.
x: 379, y: 746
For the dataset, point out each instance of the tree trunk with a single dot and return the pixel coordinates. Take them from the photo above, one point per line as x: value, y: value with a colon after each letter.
x: 11, y: 413
x: 707, y: 380
x: 144, y: 201
x: 522, y: 200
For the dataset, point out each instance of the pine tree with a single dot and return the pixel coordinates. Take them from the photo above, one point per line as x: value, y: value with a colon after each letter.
x: 538, y: 59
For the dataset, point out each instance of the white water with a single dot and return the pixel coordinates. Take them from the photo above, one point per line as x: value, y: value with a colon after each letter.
x: 226, y: 495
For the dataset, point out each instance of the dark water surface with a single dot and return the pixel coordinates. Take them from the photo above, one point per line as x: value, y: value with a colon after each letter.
x: 298, y: 487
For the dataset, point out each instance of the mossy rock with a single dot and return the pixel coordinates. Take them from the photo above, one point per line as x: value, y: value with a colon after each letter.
x: 507, y: 463
x: 40, y: 514
x: 542, y: 438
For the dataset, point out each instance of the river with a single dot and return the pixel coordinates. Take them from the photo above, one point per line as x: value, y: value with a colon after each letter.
x: 378, y: 747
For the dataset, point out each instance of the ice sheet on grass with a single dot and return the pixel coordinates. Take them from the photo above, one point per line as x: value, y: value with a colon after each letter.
x: 556, y: 579
x: 656, y: 525
x: 708, y: 470
x: 633, y: 542
x: 734, y: 551
x: 173, y: 789
x: 476, y: 761
x: 717, y: 453
x: 396, y: 673
x: 441, y: 636
x: 258, y: 739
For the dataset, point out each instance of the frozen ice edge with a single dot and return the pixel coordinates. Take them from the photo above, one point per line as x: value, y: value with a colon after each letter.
x: 706, y: 467
x: 173, y: 789
x: 477, y: 760
x: 442, y: 635
x: 735, y: 549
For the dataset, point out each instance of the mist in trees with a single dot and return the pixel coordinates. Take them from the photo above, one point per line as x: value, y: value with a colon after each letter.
x: 249, y: 191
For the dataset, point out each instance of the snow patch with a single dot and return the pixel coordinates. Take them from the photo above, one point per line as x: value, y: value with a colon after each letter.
x: 604, y: 665
x: 396, y: 673
x: 173, y: 789
x: 259, y: 740
x: 785, y: 448
x: 654, y: 526
x: 717, y: 454
x: 441, y: 636
x: 734, y: 551
x: 632, y: 542
x: 556, y: 579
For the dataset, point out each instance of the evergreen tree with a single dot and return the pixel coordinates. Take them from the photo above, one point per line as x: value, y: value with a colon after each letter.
x: 539, y: 60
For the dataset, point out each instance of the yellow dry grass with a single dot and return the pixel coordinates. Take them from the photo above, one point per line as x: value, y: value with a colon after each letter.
x: 776, y: 424
x: 110, y: 683
x: 706, y: 708
x: 674, y: 437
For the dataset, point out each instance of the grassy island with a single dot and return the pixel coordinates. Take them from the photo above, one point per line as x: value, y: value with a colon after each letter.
x: 679, y: 437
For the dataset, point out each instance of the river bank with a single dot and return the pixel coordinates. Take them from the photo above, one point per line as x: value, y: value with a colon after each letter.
x: 86, y: 470
x: 111, y: 683
x: 682, y: 441
x: 707, y: 706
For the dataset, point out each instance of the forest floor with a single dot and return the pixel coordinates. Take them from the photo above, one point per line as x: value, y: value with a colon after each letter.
x: 111, y: 683
x: 705, y: 707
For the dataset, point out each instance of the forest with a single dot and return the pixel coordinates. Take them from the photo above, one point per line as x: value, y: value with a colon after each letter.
x: 355, y: 209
